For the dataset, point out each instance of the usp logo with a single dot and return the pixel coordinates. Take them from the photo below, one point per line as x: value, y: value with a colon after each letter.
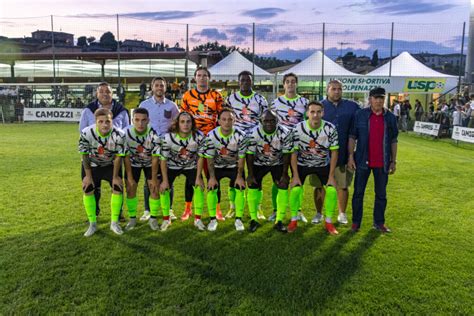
x: 424, y: 85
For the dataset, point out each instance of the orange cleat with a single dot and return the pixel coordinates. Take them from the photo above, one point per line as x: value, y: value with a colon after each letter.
x: 292, y: 226
x: 331, y: 229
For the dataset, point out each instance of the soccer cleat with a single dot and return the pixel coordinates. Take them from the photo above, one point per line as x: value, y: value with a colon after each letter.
x: 260, y: 215
x: 292, y: 226
x: 342, y: 218
x: 317, y: 218
x: 164, y: 226
x: 186, y: 214
x: 254, y: 225
x: 239, y: 226
x: 115, y: 227
x: 331, y: 229
x: 172, y: 216
x: 301, y: 217
x: 153, y: 222
x: 272, y: 217
x: 382, y: 228
x: 230, y: 213
x: 355, y: 227
x: 91, y: 230
x: 280, y: 227
x: 212, y: 225
x: 145, y: 216
x: 131, y: 224
x: 199, y: 224
x: 219, y: 215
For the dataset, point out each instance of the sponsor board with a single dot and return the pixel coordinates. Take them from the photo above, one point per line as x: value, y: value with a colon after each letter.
x: 426, y: 128
x: 52, y: 115
x: 463, y: 134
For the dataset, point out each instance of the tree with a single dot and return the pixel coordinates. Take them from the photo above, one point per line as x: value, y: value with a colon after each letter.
x: 375, y: 58
x: 90, y: 39
x: 108, y: 40
x: 82, y: 41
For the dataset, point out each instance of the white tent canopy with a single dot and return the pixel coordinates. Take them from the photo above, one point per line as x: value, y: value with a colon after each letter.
x: 405, y: 65
x: 311, y: 68
x: 230, y: 67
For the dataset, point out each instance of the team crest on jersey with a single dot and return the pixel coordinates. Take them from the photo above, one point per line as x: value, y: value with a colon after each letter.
x: 267, y: 149
x: 183, y: 152
x: 140, y: 149
x: 201, y: 107
x: 291, y: 112
x: 224, y: 151
x: 100, y: 150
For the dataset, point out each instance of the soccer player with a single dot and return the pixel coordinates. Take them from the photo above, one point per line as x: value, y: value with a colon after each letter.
x: 269, y: 149
x: 120, y: 118
x: 142, y: 149
x: 315, y: 148
x: 225, y: 155
x: 102, y: 149
x: 290, y: 109
x: 179, y: 153
x: 204, y: 104
x: 339, y: 112
x: 162, y: 113
x: 248, y: 106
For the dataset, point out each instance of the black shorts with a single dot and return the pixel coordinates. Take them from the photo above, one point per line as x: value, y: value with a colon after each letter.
x: 101, y: 173
x: 321, y: 172
x: 261, y: 171
x: 190, y: 175
x: 230, y: 173
x: 137, y: 171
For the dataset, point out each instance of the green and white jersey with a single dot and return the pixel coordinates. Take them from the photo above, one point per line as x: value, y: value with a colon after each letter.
x: 248, y: 109
x: 141, y: 147
x: 101, y: 149
x: 269, y: 148
x: 226, y: 150
x: 290, y: 111
x: 182, y: 153
x: 313, y: 145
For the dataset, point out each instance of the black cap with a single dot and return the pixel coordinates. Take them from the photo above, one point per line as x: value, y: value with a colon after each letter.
x: 377, y: 92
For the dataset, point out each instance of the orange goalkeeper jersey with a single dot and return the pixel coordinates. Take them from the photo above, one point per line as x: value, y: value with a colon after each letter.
x: 204, y: 107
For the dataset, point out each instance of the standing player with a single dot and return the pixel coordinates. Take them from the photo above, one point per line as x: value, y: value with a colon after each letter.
x: 225, y: 155
x: 268, y: 151
x: 204, y: 104
x: 102, y: 149
x: 142, y: 145
x: 314, y: 152
x: 179, y: 156
x: 248, y: 106
x: 162, y: 112
x: 290, y: 109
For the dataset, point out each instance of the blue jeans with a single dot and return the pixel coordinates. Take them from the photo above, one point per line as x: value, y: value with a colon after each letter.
x: 380, y: 203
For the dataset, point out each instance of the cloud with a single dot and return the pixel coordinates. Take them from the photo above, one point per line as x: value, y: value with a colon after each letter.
x: 263, y: 13
x: 400, y: 7
x: 240, y: 30
x: 149, y: 16
x: 383, y: 46
x: 291, y: 54
x: 267, y: 34
x: 212, y: 34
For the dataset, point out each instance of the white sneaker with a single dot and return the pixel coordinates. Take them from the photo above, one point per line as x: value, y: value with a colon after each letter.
x: 342, y: 218
x: 91, y: 230
x: 199, y: 224
x: 153, y: 222
x: 239, y: 226
x: 145, y: 216
x: 317, y: 218
x: 115, y: 227
x: 301, y: 217
x: 131, y: 224
x: 260, y: 215
x: 212, y: 225
x: 164, y: 226
x: 272, y: 217
x: 172, y: 216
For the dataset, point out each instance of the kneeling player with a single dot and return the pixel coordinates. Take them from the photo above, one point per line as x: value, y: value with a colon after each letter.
x: 102, y: 149
x: 142, y: 146
x: 179, y: 156
x: 269, y: 148
x: 315, y: 146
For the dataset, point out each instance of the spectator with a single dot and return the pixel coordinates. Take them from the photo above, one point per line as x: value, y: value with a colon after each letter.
x: 19, y: 108
x: 42, y: 104
x: 466, y: 114
x: 418, y: 110
x: 457, y: 117
x: 142, y: 91
x: 396, y: 110
x: 405, y: 114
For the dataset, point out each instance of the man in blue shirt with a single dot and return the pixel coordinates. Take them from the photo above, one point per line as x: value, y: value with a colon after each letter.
x: 339, y: 112
x: 162, y: 112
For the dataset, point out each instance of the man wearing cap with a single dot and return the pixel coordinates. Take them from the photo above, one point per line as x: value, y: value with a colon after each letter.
x: 375, y: 131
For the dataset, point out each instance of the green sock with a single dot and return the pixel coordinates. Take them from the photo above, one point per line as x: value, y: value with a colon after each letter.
x: 212, y: 202
x: 259, y: 198
x: 295, y: 200
x: 231, y: 194
x: 165, y: 203
x: 330, y: 201
x: 154, y: 206
x: 239, y: 202
x: 89, y: 204
x: 198, y: 202
x: 282, y: 204
x: 252, y: 201
x: 301, y: 197
x: 132, y: 206
x: 274, y: 196
x: 115, y: 205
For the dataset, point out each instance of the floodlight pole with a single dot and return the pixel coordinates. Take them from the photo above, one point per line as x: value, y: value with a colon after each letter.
x: 461, y: 56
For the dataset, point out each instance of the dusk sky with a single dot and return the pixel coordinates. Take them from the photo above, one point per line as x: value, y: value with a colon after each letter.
x: 286, y: 29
